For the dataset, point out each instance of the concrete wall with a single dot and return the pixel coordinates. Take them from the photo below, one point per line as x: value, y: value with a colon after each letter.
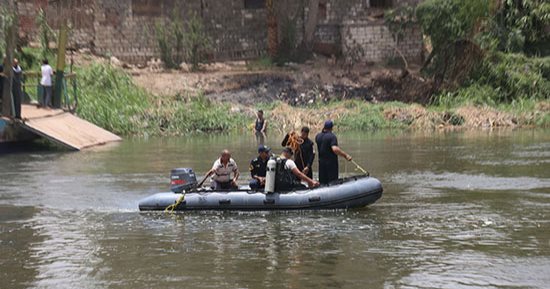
x: 124, y: 28
x: 344, y: 25
x: 377, y: 43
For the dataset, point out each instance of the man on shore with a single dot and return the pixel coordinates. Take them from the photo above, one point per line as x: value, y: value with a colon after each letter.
x: 222, y: 170
x: 327, y: 146
x: 258, y: 168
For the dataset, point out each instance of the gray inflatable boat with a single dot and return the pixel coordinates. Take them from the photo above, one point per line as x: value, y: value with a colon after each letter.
x: 352, y: 192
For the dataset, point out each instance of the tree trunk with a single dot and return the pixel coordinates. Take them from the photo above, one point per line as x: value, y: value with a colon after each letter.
x: 7, y: 101
x: 311, y: 23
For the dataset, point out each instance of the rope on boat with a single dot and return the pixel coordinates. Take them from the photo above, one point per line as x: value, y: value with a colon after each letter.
x: 172, y: 207
x: 294, y: 141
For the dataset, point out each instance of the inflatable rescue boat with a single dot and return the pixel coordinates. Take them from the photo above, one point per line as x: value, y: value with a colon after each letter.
x: 351, y: 192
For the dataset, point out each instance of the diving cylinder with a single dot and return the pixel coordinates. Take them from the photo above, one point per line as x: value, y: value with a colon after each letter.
x: 270, y: 176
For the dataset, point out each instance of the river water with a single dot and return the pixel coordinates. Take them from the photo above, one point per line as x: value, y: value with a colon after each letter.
x: 459, y: 210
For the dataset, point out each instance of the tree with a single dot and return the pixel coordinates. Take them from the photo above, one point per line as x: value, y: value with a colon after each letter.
x: 9, y: 25
x: 196, y: 42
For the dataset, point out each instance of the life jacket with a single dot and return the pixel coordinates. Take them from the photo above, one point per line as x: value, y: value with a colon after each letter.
x: 284, y: 179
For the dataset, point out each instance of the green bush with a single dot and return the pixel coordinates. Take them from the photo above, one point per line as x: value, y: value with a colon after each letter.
x: 110, y: 99
x: 196, y: 42
x: 474, y: 94
x: 516, y: 76
x: 368, y: 117
x: 169, y: 36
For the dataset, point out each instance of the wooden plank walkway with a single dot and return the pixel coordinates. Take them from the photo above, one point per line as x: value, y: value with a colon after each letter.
x: 64, y: 128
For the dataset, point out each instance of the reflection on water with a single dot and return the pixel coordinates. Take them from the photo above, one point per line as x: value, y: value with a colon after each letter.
x: 460, y: 210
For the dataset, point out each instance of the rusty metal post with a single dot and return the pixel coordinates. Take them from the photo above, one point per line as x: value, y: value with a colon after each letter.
x: 272, y: 30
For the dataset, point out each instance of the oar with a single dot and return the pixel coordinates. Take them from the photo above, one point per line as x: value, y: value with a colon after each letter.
x: 202, y: 182
x: 360, y: 168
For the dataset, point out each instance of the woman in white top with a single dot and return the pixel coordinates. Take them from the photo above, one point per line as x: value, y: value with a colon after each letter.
x: 46, y: 83
x: 222, y: 170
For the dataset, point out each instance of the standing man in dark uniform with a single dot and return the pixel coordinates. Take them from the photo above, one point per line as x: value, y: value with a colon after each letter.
x: 258, y: 168
x: 327, y: 146
x: 16, y: 87
x: 305, y: 155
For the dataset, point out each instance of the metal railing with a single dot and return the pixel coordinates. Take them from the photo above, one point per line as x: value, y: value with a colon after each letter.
x: 32, y: 90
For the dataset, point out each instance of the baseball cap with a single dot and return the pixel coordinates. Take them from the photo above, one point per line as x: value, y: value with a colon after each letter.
x: 262, y: 148
x: 328, y: 124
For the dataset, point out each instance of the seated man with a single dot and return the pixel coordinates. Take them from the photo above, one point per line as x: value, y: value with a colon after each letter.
x: 286, y: 173
x: 258, y: 168
x: 222, y: 170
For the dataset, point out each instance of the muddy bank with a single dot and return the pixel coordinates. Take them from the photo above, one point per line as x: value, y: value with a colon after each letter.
x: 315, y: 82
x: 365, y: 97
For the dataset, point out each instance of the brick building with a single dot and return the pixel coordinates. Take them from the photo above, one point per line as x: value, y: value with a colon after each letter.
x: 238, y: 28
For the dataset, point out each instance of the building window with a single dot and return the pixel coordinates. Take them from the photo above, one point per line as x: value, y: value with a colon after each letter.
x: 254, y: 4
x: 381, y: 3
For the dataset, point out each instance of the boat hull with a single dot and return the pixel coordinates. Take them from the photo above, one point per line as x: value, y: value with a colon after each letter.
x: 347, y: 193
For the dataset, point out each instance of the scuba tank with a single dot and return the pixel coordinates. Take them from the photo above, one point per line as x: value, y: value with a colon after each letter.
x: 270, y: 176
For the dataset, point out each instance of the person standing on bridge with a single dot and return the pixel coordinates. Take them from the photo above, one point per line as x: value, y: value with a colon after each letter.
x: 327, y: 146
x: 46, y: 83
x: 16, y: 90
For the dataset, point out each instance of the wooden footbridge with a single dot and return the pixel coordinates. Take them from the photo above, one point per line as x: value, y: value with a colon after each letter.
x: 56, y: 125
x: 64, y: 128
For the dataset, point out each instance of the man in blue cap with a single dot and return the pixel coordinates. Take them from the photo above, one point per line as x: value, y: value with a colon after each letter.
x: 328, y: 150
x: 258, y: 168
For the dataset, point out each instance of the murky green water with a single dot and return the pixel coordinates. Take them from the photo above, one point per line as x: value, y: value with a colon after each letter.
x: 460, y: 210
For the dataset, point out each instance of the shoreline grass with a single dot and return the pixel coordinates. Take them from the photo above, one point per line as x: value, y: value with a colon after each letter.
x: 110, y: 99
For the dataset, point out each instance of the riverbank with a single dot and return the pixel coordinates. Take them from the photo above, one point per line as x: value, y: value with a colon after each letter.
x: 118, y: 100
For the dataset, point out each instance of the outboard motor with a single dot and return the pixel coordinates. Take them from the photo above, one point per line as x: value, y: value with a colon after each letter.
x: 270, y: 176
x: 182, y: 179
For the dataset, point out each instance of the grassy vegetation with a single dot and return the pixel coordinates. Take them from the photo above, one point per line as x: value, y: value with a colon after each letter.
x: 364, y: 116
x: 111, y: 100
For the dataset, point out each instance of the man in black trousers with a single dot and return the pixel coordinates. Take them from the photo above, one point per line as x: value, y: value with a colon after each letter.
x: 16, y: 90
x: 327, y: 146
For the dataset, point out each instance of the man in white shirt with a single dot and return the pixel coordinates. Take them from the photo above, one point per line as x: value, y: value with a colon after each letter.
x: 46, y: 83
x: 287, y: 171
x: 221, y: 172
